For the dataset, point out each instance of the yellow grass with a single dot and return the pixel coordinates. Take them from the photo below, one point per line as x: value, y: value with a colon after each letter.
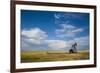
x: 45, y: 56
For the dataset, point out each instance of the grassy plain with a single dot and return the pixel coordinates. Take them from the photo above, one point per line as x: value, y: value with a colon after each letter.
x: 46, y: 56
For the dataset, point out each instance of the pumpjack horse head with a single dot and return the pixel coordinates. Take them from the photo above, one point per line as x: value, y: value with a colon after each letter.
x: 73, y: 48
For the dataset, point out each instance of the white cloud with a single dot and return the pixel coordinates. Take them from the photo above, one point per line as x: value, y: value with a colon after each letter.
x: 34, y: 35
x: 77, y: 30
x: 68, y: 30
x: 56, y: 16
x: 68, y: 16
x: 82, y: 42
x: 56, y: 44
x: 68, y: 26
x: 38, y: 38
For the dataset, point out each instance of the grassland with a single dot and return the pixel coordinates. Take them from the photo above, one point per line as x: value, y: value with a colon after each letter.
x: 45, y: 56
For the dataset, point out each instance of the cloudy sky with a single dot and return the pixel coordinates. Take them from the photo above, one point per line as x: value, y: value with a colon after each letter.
x: 50, y: 30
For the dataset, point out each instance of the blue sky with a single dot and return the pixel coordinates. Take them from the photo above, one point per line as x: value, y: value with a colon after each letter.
x: 40, y: 30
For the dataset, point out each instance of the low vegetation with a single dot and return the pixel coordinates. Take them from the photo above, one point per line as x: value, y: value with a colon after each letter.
x: 45, y: 56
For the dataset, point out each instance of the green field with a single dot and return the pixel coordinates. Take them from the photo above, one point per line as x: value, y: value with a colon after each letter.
x: 46, y: 56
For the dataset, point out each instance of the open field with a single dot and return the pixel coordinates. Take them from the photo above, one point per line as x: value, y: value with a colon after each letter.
x: 46, y: 56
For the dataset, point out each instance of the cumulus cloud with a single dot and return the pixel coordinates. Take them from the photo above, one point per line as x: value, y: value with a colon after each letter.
x: 68, y: 30
x: 34, y: 35
x: 56, y: 44
x: 83, y: 42
x: 36, y: 38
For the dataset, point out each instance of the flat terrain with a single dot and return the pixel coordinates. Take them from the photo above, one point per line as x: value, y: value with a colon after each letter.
x: 46, y: 56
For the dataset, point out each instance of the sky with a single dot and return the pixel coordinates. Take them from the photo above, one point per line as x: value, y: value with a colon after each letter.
x: 51, y: 30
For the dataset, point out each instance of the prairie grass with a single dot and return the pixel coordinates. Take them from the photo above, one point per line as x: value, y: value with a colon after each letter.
x: 46, y: 56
